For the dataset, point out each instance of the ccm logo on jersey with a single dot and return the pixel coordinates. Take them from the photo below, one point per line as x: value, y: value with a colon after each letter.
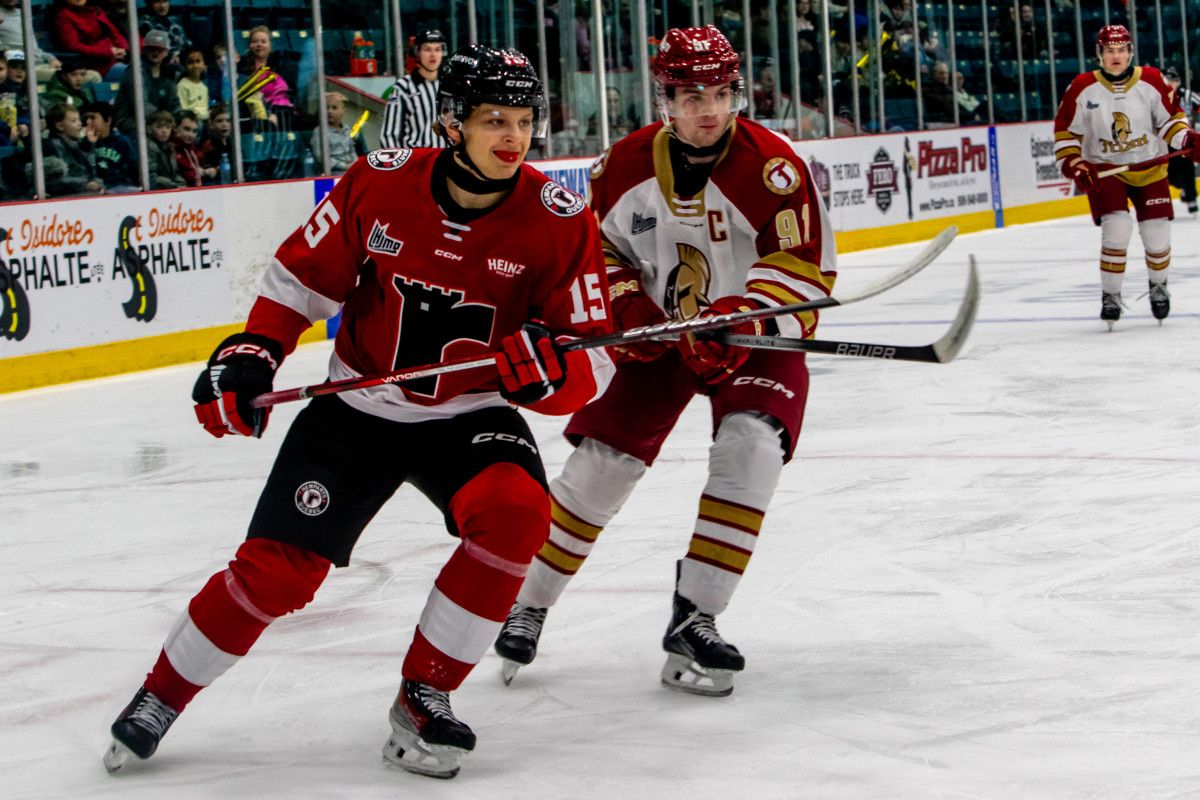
x: 388, y: 160
x: 1156, y: 201
x: 765, y: 383
x: 380, y: 242
x: 448, y: 254
x: 780, y: 176
x: 560, y: 201
x: 509, y: 269
x: 480, y: 438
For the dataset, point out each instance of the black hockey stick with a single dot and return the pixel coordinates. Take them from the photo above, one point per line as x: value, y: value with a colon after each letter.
x: 663, y: 330
x: 939, y: 352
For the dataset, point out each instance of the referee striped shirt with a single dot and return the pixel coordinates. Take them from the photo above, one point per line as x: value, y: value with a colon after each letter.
x: 409, y: 114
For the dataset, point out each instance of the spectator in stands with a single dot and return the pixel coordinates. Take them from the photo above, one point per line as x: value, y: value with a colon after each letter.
x: 112, y: 152
x: 187, y: 153
x: 159, y: 88
x: 87, y: 31
x: 69, y: 85
x: 192, y: 90
x: 157, y: 17
x: 276, y: 94
x: 164, y: 169
x: 344, y: 149
x: 217, y: 143
x: 806, y: 17
x: 67, y: 166
x: 13, y: 90
x: 897, y: 17
x: 12, y: 38
x: 764, y: 93
x: 1006, y: 28
x: 968, y: 104
x: 620, y: 117
x: 937, y: 95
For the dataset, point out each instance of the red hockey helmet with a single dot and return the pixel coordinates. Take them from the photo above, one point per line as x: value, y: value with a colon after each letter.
x: 698, y: 58
x: 1114, y: 34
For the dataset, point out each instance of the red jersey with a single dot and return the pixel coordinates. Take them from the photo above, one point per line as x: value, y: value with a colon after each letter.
x: 417, y: 287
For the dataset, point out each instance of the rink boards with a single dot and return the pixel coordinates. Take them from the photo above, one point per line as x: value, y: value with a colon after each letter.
x: 73, y: 307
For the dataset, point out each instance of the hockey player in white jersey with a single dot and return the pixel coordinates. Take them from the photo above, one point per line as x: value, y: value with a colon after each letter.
x: 703, y: 213
x: 1122, y: 115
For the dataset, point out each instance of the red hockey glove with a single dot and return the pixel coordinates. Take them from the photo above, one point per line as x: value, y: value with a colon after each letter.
x: 711, y: 360
x: 241, y: 368
x: 1191, y: 145
x: 531, y: 364
x: 1083, y: 173
x: 632, y: 308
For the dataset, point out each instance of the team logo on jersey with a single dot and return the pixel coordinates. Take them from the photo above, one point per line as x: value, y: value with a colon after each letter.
x: 380, y: 242
x: 641, y: 224
x: 882, y: 179
x: 781, y: 176
x: 687, y: 285
x: 1121, y: 130
x: 561, y: 202
x: 388, y: 160
x: 597, y: 168
x: 312, y: 499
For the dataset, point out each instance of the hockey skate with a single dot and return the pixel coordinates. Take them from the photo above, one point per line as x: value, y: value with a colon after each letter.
x: 1110, y: 307
x: 699, y: 661
x: 138, y: 729
x: 518, y: 640
x: 1160, y: 301
x: 426, y: 736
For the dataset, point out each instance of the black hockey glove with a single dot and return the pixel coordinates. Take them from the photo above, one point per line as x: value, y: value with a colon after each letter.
x: 241, y: 368
x: 531, y: 365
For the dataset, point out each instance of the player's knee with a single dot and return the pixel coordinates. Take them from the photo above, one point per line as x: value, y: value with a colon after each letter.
x: 1156, y: 235
x: 747, y: 455
x: 277, y: 578
x: 1116, y: 229
x: 596, y: 481
x: 503, y: 510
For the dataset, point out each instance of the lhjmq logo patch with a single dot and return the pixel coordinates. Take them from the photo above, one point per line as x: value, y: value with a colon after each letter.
x: 561, y: 202
x: 312, y: 499
x: 388, y: 160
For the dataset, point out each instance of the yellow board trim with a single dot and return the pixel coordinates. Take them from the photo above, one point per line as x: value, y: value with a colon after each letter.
x: 115, y: 358
x: 917, y: 231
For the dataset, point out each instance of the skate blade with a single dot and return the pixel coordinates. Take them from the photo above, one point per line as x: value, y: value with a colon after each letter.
x: 1110, y: 324
x: 116, y: 756
x: 411, y: 753
x: 508, y: 671
x: 685, y: 675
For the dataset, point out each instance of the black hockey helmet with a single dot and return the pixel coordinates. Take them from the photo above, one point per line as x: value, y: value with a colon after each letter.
x: 428, y: 36
x: 478, y: 74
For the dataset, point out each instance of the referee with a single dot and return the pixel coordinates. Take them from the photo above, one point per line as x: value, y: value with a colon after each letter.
x: 412, y: 107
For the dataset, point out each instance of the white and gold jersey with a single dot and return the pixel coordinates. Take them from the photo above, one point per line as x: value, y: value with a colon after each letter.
x: 758, y: 228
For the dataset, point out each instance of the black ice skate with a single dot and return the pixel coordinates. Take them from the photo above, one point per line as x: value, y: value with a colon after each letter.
x: 698, y: 659
x: 518, y: 640
x: 426, y: 736
x: 1160, y: 301
x: 138, y: 729
x: 1110, y: 307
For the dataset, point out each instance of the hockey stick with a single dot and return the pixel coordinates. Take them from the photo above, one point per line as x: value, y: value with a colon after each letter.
x: 663, y: 330
x: 1147, y: 164
x: 939, y: 352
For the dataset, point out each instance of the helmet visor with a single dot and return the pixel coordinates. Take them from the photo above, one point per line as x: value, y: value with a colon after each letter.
x: 700, y: 101
x: 506, y: 116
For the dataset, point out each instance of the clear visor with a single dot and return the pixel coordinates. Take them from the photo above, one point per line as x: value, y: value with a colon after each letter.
x: 700, y: 101
x: 511, y: 120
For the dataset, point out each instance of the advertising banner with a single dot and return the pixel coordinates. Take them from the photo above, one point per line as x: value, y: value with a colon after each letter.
x: 1028, y: 173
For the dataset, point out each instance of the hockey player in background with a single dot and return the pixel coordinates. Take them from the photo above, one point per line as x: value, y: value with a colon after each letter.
x: 423, y: 248
x: 702, y: 214
x: 1120, y: 115
x: 1181, y: 171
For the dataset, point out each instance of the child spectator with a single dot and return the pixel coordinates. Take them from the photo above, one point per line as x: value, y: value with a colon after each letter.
x: 69, y: 85
x: 164, y: 169
x: 68, y: 168
x: 14, y: 91
x: 12, y: 37
x: 193, y: 91
x: 113, y: 154
x: 343, y: 148
x: 157, y: 17
x: 217, y: 143
x: 158, y: 84
x: 187, y: 154
x: 87, y: 31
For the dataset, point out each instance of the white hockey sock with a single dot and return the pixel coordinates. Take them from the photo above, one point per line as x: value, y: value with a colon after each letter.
x: 1156, y: 239
x: 1115, y: 231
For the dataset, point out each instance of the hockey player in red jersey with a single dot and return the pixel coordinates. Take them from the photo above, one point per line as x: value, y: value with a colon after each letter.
x: 423, y: 248
x: 1121, y: 115
x: 701, y: 214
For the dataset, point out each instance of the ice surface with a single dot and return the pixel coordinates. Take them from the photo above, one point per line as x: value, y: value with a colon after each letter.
x: 977, y: 580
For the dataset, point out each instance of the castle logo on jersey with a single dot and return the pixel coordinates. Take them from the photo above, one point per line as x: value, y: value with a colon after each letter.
x: 687, y: 286
x: 641, y: 224
x: 781, y: 176
x: 380, y: 242
x: 1121, y: 131
x: 560, y: 201
x: 388, y: 160
x: 882, y: 179
x: 312, y: 499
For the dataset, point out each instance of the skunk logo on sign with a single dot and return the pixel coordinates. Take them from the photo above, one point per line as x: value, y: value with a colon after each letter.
x: 560, y: 201
x: 388, y: 160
